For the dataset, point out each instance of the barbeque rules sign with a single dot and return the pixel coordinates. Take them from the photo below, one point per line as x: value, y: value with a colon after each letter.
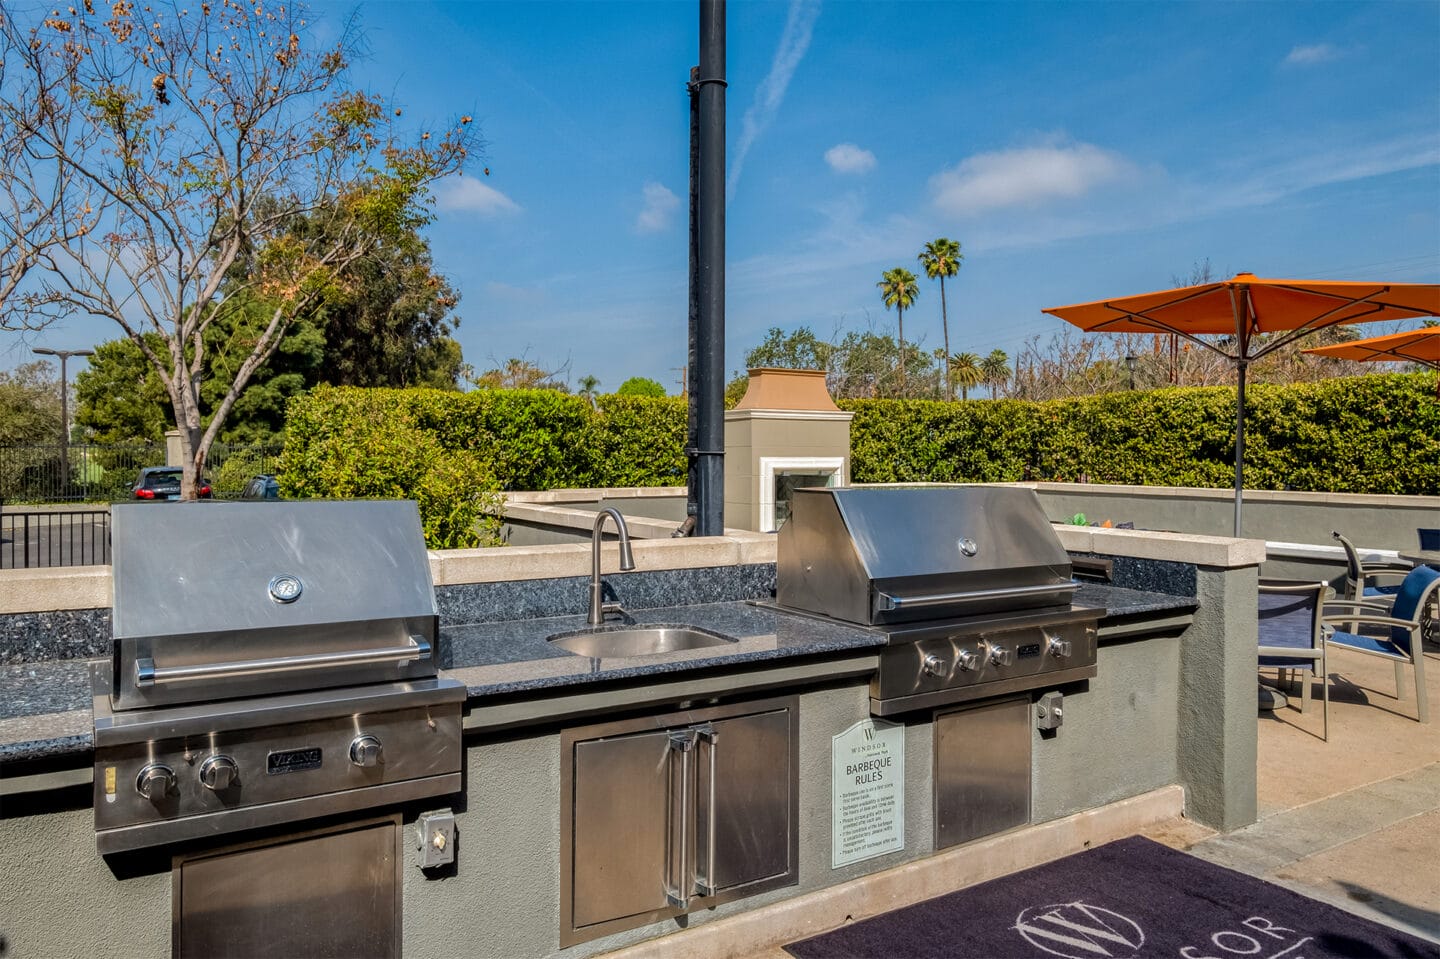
x: 869, y: 784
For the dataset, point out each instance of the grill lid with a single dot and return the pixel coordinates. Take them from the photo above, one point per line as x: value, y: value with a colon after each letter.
x: 877, y: 555
x: 217, y: 600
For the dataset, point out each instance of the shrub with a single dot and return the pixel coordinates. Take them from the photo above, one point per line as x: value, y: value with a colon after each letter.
x: 352, y: 443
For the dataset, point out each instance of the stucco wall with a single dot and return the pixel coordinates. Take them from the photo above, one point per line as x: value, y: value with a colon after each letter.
x: 1378, y: 522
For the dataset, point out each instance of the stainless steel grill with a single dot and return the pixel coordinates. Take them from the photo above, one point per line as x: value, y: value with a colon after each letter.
x: 970, y: 585
x: 271, y: 662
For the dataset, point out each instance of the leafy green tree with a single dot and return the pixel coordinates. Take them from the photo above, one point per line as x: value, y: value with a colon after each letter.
x: 798, y: 350
x: 965, y: 370
x: 640, y: 386
x: 204, y: 159
x: 942, y: 258
x: 30, y: 404
x: 996, y: 370
x: 589, y: 388
x: 898, y: 289
x: 119, y: 397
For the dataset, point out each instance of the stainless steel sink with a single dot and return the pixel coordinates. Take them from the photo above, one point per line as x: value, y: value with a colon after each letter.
x: 616, y: 642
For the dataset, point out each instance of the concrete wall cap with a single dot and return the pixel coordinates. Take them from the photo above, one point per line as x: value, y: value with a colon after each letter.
x: 42, y: 590
x: 1222, y: 552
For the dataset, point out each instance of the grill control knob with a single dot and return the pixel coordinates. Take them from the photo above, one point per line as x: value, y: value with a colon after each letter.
x: 219, y: 773
x: 1058, y: 647
x: 365, y: 751
x: 155, y: 781
x: 933, y: 666
x: 1000, y: 656
x: 966, y: 660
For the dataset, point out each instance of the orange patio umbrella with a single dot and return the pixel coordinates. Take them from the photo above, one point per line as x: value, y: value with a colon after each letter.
x: 1416, y: 346
x: 1245, y: 307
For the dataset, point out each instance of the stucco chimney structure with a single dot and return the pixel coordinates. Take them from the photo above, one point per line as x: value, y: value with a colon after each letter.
x: 786, y: 432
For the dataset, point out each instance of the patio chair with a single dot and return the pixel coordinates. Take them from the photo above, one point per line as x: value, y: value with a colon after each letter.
x: 1390, y: 630
x: 1292, y: 636
x: 1358, y: 574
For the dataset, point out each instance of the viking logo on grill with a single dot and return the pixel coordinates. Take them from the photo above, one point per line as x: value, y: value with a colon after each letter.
x: 1078, y: 930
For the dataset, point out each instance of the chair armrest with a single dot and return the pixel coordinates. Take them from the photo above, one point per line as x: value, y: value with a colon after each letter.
x: 1379, y: 605
x: 1386, y: 566
x: 1295, y: 586
x: 1373, y: 621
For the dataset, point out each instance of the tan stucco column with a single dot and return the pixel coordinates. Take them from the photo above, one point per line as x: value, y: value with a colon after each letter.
x: 786, y: 422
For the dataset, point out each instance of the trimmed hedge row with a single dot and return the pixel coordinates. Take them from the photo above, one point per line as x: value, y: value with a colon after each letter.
x: 1371, y: 434
x: 452, y: 451
x: 519, y: 439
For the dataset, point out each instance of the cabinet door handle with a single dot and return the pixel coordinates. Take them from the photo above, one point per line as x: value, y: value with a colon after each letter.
x: 677, y: 892
x: 705, y: 885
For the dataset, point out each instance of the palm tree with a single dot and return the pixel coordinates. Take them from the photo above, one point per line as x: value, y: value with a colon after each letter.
x: 996, y: 368
x: 898, y: 289
x: 942, y: 258
x: 965, y: 368
x: 588, y: 387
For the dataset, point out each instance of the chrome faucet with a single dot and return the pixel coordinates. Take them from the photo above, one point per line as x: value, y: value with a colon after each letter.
x: 598, y: 609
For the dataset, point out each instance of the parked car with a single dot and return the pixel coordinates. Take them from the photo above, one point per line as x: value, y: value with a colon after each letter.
x: 161, y: 483
x: 263, y: 486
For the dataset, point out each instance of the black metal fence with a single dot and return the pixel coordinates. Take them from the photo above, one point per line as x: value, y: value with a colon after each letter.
x: 36, y: 538
x: 95, y: 473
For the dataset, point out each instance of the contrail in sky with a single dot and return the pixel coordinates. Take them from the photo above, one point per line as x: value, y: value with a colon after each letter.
x: 799, y: 24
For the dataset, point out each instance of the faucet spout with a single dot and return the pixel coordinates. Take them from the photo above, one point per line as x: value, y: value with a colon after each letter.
x: 598, y: 608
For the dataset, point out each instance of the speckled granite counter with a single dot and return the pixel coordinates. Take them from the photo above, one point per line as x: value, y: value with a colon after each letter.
x: 45, y: 715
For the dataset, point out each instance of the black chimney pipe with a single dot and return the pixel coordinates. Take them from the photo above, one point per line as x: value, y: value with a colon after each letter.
x: 706, y: 447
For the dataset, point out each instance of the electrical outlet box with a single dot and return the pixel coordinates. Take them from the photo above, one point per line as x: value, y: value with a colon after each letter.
x: 1050, y: 711
x: 435, y: 838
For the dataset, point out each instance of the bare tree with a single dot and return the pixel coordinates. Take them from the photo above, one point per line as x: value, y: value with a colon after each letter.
x: 213, y: 134
x: 44, y: 203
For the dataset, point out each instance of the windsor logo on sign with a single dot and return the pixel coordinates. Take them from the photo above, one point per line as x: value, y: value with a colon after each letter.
x: 868, y: 780
x: 1077, y: 930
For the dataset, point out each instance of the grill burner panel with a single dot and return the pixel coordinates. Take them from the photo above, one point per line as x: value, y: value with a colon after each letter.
x: 963, y: 661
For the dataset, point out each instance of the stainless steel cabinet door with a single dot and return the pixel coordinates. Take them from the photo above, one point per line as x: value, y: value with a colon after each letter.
x: 743, y: 830
x: 333, y: 892
x: 622, y: 826
x: 982, y: 771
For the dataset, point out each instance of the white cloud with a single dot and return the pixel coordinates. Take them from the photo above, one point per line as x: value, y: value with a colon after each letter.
x: 849, y: 158
x: 1028, y: 176
x: 794, y: 42
x: 469, y: 195
x: 659, y: 209
x: 1304, y: 55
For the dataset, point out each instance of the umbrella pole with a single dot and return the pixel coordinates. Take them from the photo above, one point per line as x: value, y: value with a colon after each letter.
x: 1239, y: 444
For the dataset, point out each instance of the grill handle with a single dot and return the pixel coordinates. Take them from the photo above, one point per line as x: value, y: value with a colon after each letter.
x: 148, y: 674
x: 887, y: 601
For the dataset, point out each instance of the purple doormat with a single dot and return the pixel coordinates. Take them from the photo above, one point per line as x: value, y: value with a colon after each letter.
x: 1128, y: 899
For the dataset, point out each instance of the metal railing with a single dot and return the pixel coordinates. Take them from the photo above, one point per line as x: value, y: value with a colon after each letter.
x: 96, y: 473
x: 31, y: 539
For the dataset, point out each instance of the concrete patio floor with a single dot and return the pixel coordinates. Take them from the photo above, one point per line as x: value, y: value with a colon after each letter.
x: 1354, y: 821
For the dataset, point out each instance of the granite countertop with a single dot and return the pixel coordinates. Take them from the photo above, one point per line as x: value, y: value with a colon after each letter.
x: 45, y: 706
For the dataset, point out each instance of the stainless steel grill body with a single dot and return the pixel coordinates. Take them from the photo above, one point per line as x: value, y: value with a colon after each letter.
x: 271, y: 662
x: 970, y: 585
x: 223, y: 600
x: 882, y: 555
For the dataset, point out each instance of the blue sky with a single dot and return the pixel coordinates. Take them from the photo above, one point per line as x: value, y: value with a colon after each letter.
x: 1077, y: 150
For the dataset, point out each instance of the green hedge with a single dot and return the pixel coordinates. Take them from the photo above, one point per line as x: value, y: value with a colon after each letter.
x: 1371, y: 434
x: 454, y: 452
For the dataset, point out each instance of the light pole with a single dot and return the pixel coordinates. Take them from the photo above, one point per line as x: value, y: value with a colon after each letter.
x: 1130, y: 365
x: 64, y: 405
